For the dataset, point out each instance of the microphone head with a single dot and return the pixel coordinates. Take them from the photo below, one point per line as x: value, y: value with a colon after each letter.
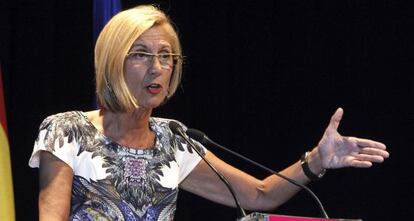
x: 196, y: 135
x: 175, y: 127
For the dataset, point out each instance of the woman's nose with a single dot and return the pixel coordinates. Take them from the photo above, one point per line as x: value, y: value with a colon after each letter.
x: 155, y: 66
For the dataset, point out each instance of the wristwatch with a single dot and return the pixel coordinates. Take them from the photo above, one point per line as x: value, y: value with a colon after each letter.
x: 306, y: 169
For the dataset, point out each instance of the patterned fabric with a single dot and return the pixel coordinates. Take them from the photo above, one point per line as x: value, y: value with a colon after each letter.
x: 115, y: 182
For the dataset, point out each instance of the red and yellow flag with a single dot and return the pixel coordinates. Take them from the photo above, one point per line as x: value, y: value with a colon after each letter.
x: 6, y: 184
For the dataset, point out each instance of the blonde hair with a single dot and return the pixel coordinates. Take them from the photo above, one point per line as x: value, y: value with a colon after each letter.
x: 112, y: 46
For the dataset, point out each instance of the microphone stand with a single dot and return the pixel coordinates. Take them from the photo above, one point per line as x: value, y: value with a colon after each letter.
x: 176, y: 128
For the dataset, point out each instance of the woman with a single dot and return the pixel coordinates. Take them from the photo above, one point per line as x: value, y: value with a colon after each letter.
x: 119, y: 163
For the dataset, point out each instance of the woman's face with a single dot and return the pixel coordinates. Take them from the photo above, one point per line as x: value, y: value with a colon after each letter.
x: 148, y: 76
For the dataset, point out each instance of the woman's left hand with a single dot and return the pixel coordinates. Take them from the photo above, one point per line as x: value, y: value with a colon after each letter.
x: 337, y: 151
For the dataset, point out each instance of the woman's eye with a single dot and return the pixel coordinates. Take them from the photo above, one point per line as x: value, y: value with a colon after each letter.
x: 141, y: 55
x: 165, y: 56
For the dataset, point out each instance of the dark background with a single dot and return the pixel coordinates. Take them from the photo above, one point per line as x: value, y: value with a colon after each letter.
x: 260, y: 77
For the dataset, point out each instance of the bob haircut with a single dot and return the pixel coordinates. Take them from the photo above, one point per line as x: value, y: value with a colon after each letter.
x: 112, y: 47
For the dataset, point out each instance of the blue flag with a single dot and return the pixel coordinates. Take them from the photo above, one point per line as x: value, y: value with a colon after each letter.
x: 103, y: 10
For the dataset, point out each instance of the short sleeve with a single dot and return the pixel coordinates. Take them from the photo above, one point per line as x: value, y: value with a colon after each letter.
x: 187, y: 158
x: 56, y: 137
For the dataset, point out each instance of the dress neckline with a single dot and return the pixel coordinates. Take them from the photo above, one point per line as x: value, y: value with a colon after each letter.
x: 134, y: 150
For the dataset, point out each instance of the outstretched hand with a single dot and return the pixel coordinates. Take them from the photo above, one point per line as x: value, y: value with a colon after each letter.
x: 337, y: 151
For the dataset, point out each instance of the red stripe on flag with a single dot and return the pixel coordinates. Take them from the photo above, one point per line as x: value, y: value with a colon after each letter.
x: 3, y: 119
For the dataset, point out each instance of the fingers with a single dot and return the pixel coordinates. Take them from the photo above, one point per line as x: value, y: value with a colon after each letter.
x: 369, y: 143
x: 360, y: 164
x: 364, y: 152
x: 370, y: 147
x: 336, y: 118
x: 374, y: 152
x: 370, y: 158
x: 359, y: 161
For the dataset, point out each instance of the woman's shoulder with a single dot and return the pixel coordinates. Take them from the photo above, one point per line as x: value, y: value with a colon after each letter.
x: 165, y: 122
x: 63, y: 118
x: 67, y: 115
x: 161, y: 120
x: 92, y: 115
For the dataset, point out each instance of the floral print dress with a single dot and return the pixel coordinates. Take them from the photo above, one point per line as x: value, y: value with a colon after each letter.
x: 112, y: 181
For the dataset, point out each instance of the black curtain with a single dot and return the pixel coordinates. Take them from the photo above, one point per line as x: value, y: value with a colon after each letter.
x: 262, y: 78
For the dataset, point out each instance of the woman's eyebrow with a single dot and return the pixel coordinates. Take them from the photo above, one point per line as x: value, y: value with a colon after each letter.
x: 143, y: 46
x: 166, y: 47
x: 138, y: 45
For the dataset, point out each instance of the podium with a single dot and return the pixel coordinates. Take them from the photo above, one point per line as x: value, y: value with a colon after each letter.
x: 273, y: 217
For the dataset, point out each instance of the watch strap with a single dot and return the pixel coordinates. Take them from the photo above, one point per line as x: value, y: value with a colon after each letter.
x: 306, y: 169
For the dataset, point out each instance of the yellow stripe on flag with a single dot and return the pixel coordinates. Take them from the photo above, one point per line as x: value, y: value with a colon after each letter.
x: 6, y: 185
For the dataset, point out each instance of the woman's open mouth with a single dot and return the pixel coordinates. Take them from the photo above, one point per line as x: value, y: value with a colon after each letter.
x: 154, y: 88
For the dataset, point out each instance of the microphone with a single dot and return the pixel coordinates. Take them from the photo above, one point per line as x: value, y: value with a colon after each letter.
x: 202, y: 138
x: 177, y: 129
